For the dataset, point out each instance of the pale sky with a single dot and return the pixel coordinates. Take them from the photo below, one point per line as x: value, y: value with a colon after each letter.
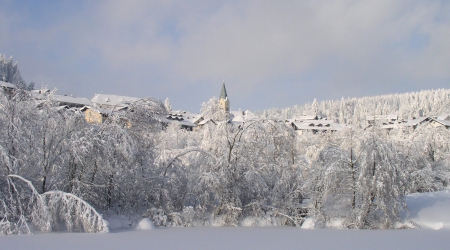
x: 270, y: 53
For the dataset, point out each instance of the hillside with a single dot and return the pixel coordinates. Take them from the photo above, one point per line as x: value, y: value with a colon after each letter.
x: 353, y: 111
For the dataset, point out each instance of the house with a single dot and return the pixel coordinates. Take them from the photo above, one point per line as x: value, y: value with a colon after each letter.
x: 7, y: 88
x: 189, y: 121
x: 443, y: 117
x: 40, y: 94
x: 239, y: 117
x: 186, y: 120
x: 315, y: 126
x: 206, y: 122
x: 303, y: 118
x: 73, y: 102
x: 194, y: 118
x: 95, y: 115
x: 413, y: 123
x: 113, y: 101
x: 394, y: 125
x: 61, y: 100
x: 440, y: 123
x: 307, y: 117
x: 371, y: 119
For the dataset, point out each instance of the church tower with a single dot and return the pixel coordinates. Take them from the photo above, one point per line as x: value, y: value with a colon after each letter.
x: 224, y: 103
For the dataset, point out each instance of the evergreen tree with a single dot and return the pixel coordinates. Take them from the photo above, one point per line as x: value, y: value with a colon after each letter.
x: 9, y: 72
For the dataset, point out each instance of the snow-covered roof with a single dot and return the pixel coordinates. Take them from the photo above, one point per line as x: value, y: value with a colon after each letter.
x: 237, y: 113
x: 7, y: 85
x: 194, y: 118
x: 249, y: 115
x: 206, y: 121
x: 318, y: 125
x: 113, y: 100
x: 40, y: 91
x: 182, y: 123
x: 239, y: 117
x: 317, y: 122
x: 443, y: 122
x: 306, y: 117
x: 392, y: 126
x: 62, y: 107
x: 443, y: 117
x: 381, y: 117
x: 416, y: 121
x: 411, y: 123
x: 185, y: 116
x: 289, y: 120
x: 392, y: 117
x: 73, y: 100
x: 102, y: 111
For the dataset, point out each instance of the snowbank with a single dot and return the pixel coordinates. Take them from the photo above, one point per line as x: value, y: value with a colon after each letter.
x: 425, y: 211
x: 429, y: 210
x: 308, y: 223
x: 145, y: 224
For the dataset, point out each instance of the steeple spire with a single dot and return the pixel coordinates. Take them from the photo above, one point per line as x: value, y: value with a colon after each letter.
x: 223, y: 93
x: 224, y: 102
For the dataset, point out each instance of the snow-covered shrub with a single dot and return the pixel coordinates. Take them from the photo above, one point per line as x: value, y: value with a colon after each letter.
x: 175, y: 220
x: 230, y: 215
x: 75, y: 213
x: 188, y: 216
x: 21, y: 204
x: 157, y: 215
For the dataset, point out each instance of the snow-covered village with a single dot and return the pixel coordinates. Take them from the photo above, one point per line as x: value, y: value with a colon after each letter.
x: 225, y: 131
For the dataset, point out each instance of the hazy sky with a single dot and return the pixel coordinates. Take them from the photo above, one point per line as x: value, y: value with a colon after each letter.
x: 270, y: 53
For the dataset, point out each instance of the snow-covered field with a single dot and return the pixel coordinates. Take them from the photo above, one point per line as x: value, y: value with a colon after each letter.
x: 431, y: 211
x: 236, y: 238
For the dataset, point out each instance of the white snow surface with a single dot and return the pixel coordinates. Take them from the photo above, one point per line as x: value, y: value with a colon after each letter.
x: 145, y: 224
x: 234, y: 238
x: 427, y: 210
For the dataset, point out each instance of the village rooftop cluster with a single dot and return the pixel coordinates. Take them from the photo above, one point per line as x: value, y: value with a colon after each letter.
x: 102, y: 106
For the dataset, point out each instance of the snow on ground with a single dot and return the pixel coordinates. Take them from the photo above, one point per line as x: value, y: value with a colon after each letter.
x: 235, y: 238
x: 428, y: 210
x: 145, y: 224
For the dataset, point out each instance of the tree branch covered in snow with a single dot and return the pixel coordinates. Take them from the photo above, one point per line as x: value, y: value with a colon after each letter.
x: 22, y: 204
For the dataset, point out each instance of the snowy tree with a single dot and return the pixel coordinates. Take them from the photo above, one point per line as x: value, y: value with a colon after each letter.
x: 361, y: 181
x: 167, y: 105
x: 211, y: 109
x: 9, y: 72
x: 22, y: 204
x: 315, y: 107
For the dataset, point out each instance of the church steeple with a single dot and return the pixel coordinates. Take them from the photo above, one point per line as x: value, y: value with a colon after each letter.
x: 224, y: 103
x: 223, y: 93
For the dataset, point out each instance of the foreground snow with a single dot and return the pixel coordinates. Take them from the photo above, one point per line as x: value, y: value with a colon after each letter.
x: 235, y: 238
x: 427, y: 210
